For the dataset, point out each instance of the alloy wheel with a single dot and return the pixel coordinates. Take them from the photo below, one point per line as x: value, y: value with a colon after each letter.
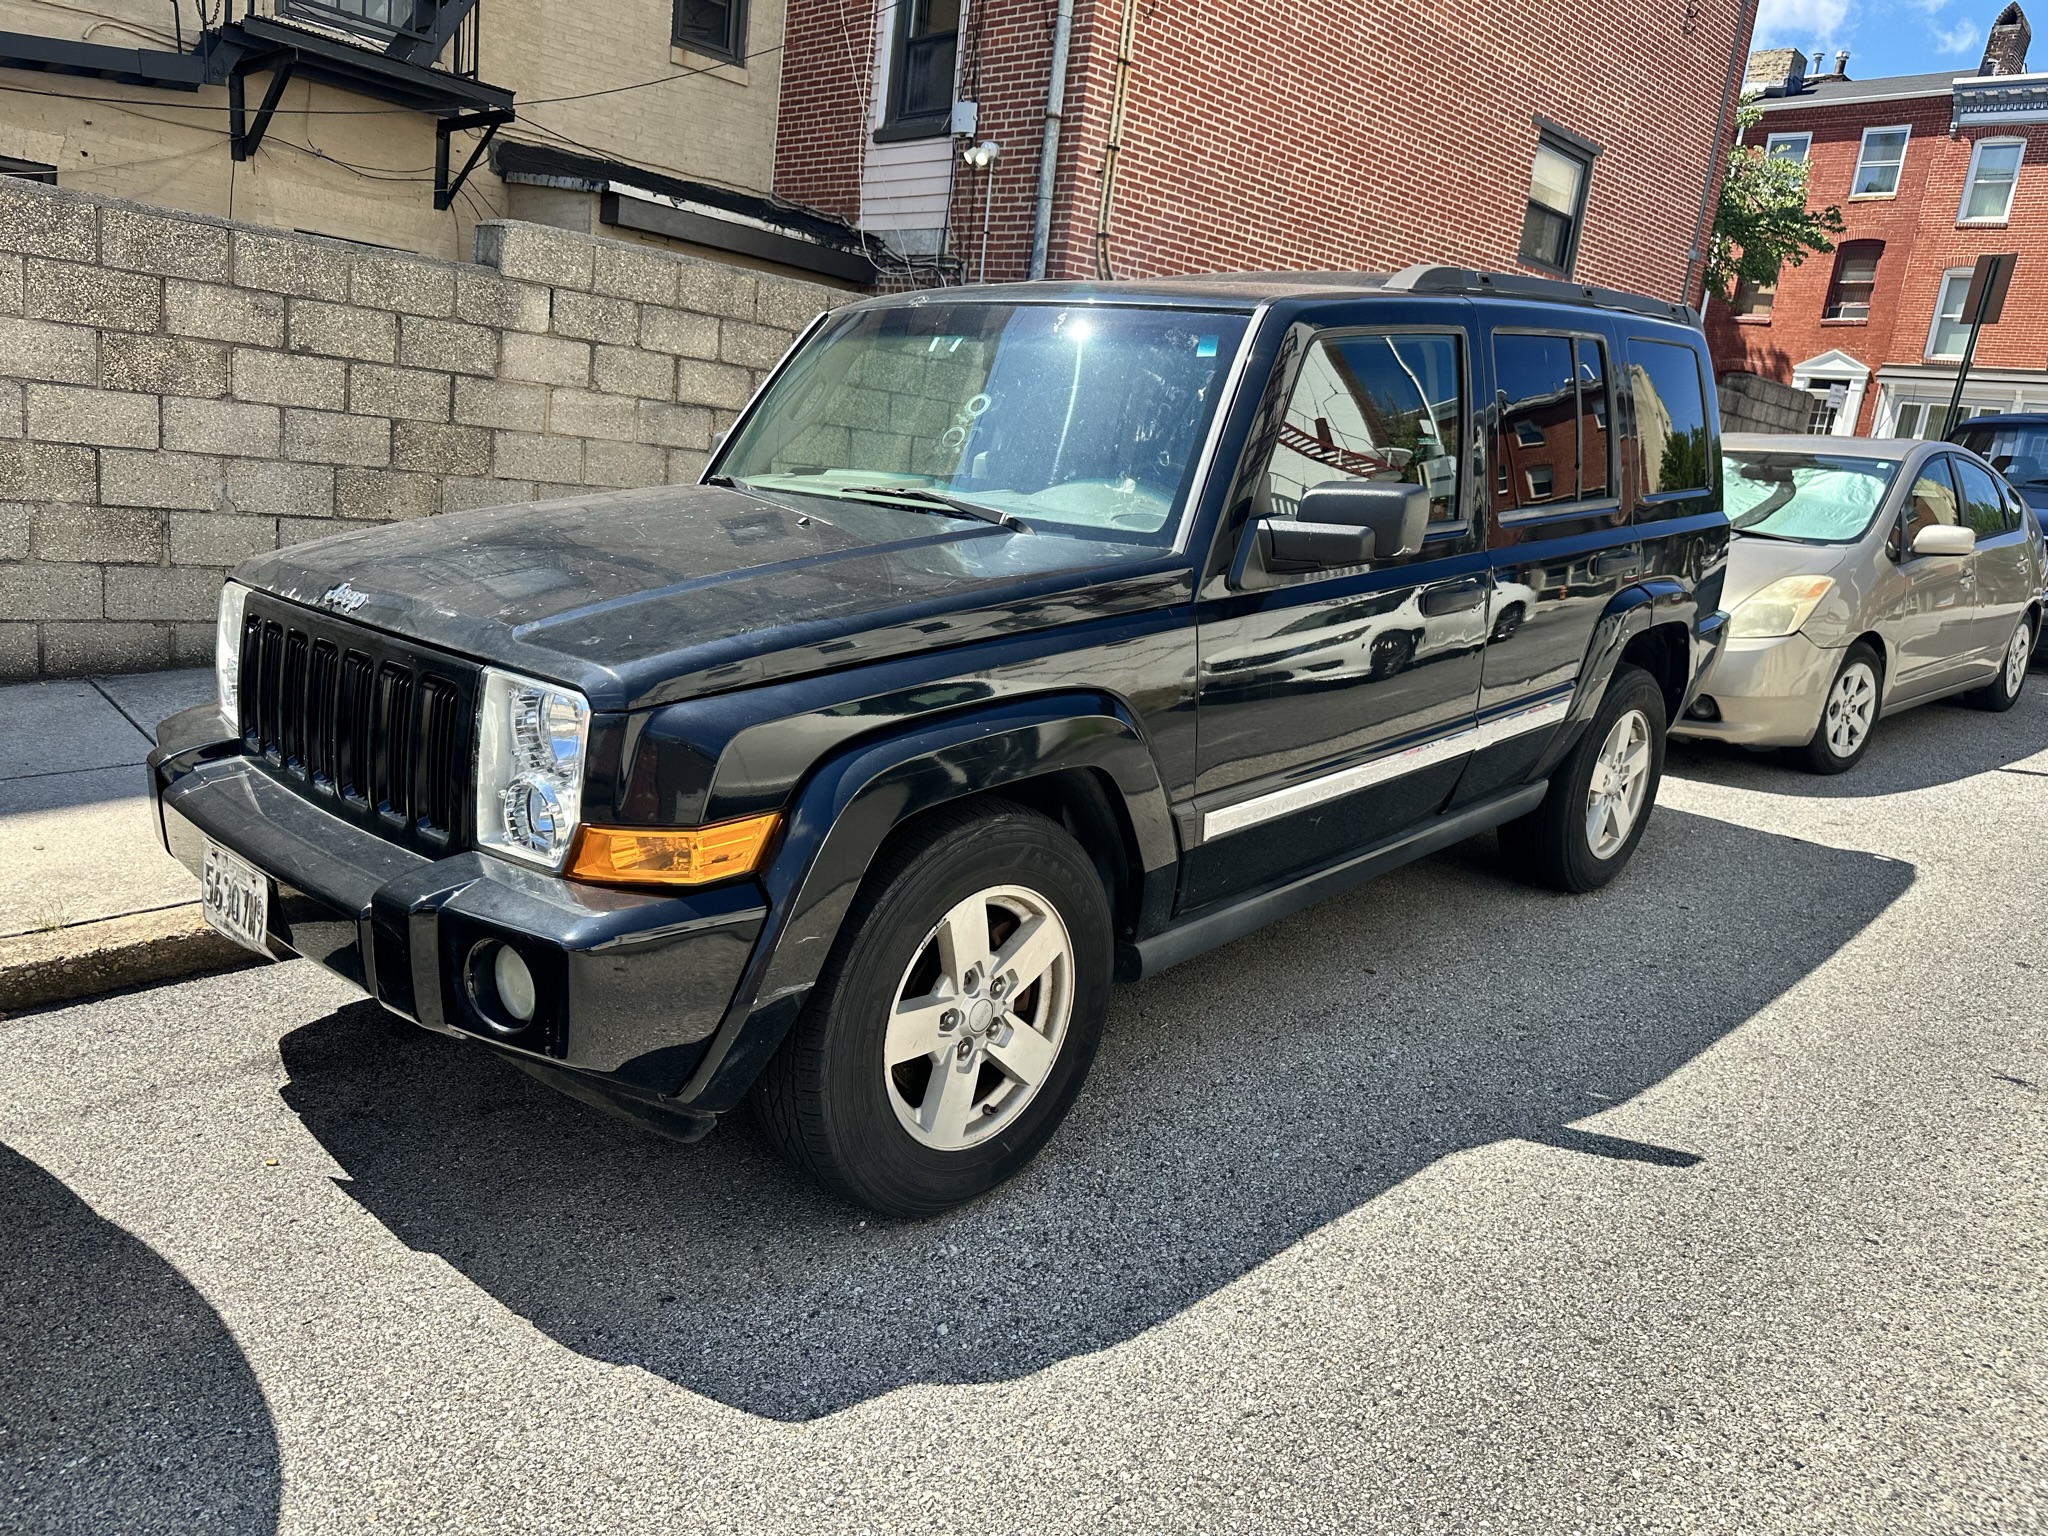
x: 979, y: 1018
x: 1621, y: 775
x: 2016, y: 657
x: 1851, y: 709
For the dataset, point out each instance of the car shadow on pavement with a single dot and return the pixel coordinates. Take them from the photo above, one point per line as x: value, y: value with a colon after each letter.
x: 1924, y: 748
x: 125, y: 1404
x: 1239, y: 1102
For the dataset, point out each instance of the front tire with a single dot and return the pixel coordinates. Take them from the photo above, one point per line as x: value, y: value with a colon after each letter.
x: 1601, y: 795
x: 956, y: 1019
x: 2003, y: 691
x: 1848, y: 715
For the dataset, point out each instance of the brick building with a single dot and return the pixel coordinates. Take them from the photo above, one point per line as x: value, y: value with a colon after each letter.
x: 1930, y: 172
x: 1132, y: 140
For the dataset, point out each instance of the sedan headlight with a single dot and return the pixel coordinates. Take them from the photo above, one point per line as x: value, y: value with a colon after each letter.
x: 529, y: 767
x: 227, y: 654
x: 1772, y: 612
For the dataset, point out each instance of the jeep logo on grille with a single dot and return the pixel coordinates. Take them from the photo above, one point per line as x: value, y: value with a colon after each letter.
x: 343, y: 599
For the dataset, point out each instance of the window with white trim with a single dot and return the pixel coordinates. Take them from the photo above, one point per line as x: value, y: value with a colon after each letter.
x: 1994, y: 172
x: 1878, y: 162
x: 1787, y: 146
x: 1946, y: 336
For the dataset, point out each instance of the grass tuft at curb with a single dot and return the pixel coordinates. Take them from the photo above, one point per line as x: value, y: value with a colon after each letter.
x: 86, y: 959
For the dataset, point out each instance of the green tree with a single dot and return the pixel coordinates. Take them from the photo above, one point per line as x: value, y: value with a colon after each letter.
x: 1762, y: 221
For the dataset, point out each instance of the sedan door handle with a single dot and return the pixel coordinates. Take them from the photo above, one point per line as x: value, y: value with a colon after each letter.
x: 1454, y: 597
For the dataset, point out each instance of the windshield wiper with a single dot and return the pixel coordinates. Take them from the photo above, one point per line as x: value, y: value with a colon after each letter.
x: 918, y: 495
x: 1758, y: 533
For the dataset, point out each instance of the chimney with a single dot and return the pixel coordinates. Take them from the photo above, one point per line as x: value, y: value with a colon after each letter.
x: 1775, y: 72
x: 2005, y: 51
x: 1842, y: 65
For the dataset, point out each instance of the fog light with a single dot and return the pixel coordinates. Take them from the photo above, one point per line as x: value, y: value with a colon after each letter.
x: 1704, y: 708
x: 514, y: 983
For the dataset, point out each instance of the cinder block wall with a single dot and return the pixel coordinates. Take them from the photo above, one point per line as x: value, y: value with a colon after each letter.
x: 1751, y: 403
x: 178, y: 392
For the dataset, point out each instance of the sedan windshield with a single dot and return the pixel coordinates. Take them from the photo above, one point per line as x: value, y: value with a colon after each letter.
x: 1811, y: 498
x: 2020, y: 453
x: 1083, y: 418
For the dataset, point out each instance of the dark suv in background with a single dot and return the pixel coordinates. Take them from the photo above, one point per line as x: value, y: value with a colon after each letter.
x: 1017, y: 640
x: 2017, y: 447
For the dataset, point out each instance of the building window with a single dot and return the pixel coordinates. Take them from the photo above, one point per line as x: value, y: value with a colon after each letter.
x: 1829, y: 396
x: 1910, y: 418
x: 1788, y: 146
x: 1557, y: 202
x: 1855, y: 276
x: 927, y: 48
x: 372, y: 15
x: 716, y: 28
x: 1994, y: 172
x: 1878, y: 162
x: 1945, y: 338
x: 1753, y: 301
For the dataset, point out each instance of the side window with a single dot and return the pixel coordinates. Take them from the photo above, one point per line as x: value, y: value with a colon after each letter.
x: 1671, y: 417
x: 1933, y: 500
x: 1595, y: 447
x: 1379, y: 406
x: 1537, y: 456
x: 1983, y: 507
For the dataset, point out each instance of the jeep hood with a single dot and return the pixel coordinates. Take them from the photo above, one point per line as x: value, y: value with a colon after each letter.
x: 640, y: 597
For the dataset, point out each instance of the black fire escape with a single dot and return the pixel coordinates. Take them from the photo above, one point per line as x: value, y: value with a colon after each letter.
x: 420, y: 55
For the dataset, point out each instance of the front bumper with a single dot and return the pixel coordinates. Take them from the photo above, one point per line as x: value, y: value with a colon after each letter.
x: 1766, y: 693
x: 632, y: 985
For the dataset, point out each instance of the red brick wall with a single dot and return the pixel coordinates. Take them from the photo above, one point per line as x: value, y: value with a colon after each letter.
x: 1921, y: 240
x: 827, y: 72
x: 1318, y: 134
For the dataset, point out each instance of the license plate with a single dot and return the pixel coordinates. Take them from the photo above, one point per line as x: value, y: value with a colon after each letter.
x: 234, y: 896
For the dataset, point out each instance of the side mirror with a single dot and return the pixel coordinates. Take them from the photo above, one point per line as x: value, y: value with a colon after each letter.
x: 1289, y: 544
x: 1396, y: 512
x: 1944, y: 539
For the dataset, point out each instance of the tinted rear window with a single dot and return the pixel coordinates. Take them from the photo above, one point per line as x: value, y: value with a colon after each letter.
x: 1671, y: 416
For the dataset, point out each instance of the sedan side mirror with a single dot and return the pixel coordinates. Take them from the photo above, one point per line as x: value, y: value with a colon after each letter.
x: 1944, y: 539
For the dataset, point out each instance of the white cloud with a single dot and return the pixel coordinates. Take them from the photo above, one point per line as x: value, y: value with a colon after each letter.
x: 1960, y: 38
x: 1798, y: 23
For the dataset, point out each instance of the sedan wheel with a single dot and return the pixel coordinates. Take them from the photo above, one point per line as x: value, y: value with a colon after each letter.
x: 1848, y: 715
x: 2004, y: 691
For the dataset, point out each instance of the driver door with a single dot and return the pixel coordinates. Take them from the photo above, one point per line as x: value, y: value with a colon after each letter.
x: 1931, y: 619
x: 1335, y: 708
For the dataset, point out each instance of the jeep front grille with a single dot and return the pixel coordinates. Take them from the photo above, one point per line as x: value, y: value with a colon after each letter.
x: 374, y: 729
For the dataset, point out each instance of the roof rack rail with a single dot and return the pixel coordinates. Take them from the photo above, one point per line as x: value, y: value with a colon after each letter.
x: 1427, y: 277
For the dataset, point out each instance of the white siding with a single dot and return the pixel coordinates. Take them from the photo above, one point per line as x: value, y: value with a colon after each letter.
x: 905, y: 186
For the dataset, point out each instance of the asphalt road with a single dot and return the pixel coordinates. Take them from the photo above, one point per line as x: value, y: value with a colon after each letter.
x: 1711, y: 1203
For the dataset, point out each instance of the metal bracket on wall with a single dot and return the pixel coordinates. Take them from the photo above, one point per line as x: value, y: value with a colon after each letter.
x: 490, y: 122
x: 244, y: 136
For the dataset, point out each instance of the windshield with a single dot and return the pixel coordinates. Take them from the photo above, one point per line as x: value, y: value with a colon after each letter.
x: 2019, y: 453
x: 1079, y: 417
x: 1814, y: 498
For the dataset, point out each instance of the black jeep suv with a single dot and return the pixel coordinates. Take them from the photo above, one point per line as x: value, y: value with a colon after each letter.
x: 1017, y: 640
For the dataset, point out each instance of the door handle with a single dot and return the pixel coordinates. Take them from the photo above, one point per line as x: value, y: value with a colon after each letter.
x: 1623, y: 562
x: 1453, y: 597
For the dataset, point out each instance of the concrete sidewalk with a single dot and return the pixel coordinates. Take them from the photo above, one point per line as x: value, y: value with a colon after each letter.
x: 88, y: 900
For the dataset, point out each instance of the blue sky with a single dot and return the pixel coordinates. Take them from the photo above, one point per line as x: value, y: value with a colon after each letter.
x: 1892, y: 37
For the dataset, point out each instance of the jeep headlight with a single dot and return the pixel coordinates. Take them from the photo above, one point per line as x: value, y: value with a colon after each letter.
x: 1777, y: 610
x: 529, y: 767
x: 227, y: 654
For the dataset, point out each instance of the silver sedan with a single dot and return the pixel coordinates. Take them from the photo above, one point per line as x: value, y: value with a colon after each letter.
x: 1866, y: 575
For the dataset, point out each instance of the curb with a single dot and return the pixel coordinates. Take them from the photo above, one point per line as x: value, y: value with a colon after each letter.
x: 86, y: 959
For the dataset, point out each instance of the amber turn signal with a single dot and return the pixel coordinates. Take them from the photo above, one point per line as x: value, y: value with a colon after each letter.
x: 665, y: 856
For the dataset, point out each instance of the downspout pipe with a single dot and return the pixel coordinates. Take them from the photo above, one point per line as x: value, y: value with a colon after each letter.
x: 1049, y: 150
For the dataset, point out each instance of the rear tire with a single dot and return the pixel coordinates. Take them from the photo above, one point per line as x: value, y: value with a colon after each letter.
x: 928, y: 1066
x: 1601, y: 795
x: 1848, y: 714
x: 2003, y: 691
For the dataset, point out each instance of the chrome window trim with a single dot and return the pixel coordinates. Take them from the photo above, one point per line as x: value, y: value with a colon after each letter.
x: 1516, y: 720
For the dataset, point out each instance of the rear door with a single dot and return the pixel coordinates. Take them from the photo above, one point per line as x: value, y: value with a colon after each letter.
x: 1335, y: 707
x: 1560, y: 545
x: 2003, y: 566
